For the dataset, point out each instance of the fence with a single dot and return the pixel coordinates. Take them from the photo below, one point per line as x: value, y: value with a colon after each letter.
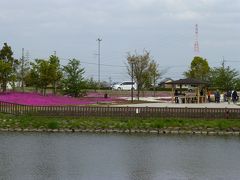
x: 121, y: 112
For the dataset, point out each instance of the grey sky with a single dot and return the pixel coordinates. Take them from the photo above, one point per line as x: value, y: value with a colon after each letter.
x: 164, y: 27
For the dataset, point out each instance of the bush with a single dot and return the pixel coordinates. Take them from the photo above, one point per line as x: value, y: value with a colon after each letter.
x: 53, y: 125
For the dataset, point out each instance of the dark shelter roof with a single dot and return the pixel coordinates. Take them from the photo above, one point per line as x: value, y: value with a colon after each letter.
x: 189, y: 81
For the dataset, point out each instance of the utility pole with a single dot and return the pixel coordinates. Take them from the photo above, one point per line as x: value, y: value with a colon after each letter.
x: 55, y: 53
x: 99, y: 41
x: 223, y: 63
x: 110, y: 81
x: 22, y: 69
x: 26, y: 57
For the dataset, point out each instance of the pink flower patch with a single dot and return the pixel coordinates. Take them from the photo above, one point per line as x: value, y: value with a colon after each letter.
x: 49, y: 100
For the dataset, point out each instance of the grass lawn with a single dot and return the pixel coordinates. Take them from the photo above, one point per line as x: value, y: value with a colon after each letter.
x: 10, y: 121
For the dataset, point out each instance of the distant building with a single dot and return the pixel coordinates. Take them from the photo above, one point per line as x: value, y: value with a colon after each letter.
x: 11, y: 85
x: 163, y: 84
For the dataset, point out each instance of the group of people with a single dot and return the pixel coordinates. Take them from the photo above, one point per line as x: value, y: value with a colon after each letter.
x: 228, y: 96
x: 231, y: 95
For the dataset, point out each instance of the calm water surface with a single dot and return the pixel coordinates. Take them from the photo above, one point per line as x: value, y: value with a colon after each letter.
x: 58, y: 156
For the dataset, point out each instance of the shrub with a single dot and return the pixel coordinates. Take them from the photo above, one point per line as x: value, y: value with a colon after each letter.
x: 53, y: 125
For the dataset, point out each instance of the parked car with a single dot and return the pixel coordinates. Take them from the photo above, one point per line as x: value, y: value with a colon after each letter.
x: 113, y: 84
x: 191, y: 88
x: 126, y: 85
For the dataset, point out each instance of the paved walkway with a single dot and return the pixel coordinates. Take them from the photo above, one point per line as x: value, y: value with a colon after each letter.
x: 202, y: 105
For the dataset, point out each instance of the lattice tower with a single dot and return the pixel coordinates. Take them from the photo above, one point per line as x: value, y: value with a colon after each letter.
x: 196, y: 45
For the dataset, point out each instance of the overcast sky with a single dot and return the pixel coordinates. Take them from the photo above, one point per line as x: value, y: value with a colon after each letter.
x: 163, y: 27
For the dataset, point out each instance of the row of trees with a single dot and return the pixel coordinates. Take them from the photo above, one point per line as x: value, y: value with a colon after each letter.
x: 68, y: 78
x: 224, y: 78
x: 41, y: 73
x: 144, y: 70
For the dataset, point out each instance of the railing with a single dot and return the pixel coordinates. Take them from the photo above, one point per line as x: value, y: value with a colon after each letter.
x: 121, y: 112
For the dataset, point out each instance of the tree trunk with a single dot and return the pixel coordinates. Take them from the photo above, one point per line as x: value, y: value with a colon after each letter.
x: 54, y: 88
x: 138, y: 92
x: 45, y: 90
x: 154, y: 91
x: 4, y: 86
x: 22, y: 86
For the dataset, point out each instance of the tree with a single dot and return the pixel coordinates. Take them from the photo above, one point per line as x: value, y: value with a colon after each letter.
x: 7, y: 66
x: 224, y: 78
x: 44, y: 74
x: 199, y: 69
x: 140, y: 65
x: 154, y: 74
x: 32, y: 77
x: 55, y: 72
x: 40, y: 75
x: 73, y: 81
x: 238, y: 84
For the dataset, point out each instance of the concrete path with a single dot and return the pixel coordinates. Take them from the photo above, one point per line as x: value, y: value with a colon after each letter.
x: 167, y: 104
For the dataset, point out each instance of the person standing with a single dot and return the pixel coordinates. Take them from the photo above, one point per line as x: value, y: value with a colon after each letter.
x: 209, y: 96
x: 217, y: 97
x: 176, y: 96
x: 234, y: 96
x: 229, y: 94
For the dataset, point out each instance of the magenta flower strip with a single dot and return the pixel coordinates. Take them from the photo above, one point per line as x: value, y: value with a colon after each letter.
x: 50, y: 100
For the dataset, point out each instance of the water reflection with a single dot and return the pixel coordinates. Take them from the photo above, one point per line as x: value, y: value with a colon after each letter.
x: 116, y: 157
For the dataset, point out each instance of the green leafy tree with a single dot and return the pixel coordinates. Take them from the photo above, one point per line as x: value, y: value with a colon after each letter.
x: 238, y: 84
x: 73, y: 81
x: 224, y: 78
x: 199, y: 69
x: 44, y: 74
x: 140, y: 65
x: 40, y: 75
x: 32, y: 77
x: 7, y: 66
x: 13, y: 77
x: 55, y: 73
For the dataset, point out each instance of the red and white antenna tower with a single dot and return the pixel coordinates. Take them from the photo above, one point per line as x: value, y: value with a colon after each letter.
x: 196, y: 46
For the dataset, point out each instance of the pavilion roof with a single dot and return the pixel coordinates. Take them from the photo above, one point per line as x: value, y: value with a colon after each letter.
x: 189, y: 81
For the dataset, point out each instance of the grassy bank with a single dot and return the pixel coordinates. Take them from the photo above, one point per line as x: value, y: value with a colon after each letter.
x: 29, y: 122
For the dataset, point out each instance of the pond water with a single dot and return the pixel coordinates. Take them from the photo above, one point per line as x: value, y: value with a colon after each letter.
x: 59, y: 156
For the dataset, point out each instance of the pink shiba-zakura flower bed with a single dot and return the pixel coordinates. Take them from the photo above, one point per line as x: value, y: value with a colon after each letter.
x: 49, y: 100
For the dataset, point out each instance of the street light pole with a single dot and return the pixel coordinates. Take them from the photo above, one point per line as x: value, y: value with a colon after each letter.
x: 132, y: 83
x: 22, y: 70
x: 99, y: 40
